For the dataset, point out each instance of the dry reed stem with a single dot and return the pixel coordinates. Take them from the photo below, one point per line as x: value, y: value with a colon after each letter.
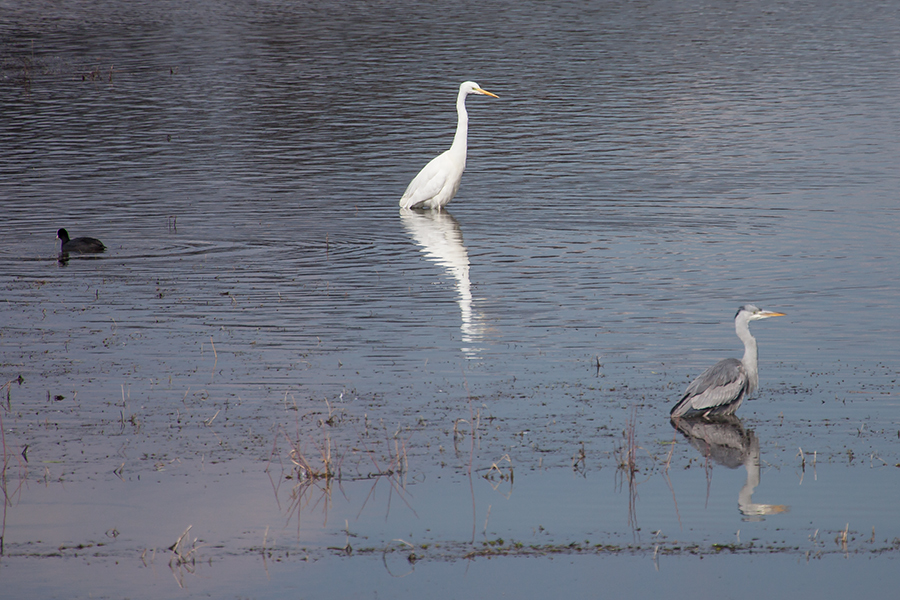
x: 669, y: 479
x: 263, y: 552
x: 842, y: 538
x: 579, y: 460
x: 7, y: 458
x: 628, y: 463
x: 501, y: 476
x: 8, y: 385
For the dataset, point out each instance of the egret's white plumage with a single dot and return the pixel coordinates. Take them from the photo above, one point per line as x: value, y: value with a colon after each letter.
x: 437, y: 183
x: 721, y: 388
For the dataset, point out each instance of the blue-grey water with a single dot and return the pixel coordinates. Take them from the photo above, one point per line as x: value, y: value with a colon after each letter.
x: 648, y: 168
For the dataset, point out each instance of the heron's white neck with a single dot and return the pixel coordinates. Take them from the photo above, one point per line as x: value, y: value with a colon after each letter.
x: 750, y: 360
x: 460, y: 140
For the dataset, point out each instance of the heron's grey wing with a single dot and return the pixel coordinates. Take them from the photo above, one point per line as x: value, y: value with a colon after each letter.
x: 719, y: 385
x: 426, y: 185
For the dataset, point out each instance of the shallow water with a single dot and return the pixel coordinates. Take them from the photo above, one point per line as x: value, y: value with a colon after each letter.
x: 646, y: 170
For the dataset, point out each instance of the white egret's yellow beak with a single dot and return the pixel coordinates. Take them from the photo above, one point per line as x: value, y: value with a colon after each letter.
x: 485, y: 92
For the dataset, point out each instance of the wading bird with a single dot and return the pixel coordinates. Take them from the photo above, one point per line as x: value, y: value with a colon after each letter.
x: 722, y: 387
x: 82, y: 245
x: 438, y: 181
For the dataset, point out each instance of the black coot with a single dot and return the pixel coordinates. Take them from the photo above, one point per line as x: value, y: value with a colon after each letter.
x: 82, y: 245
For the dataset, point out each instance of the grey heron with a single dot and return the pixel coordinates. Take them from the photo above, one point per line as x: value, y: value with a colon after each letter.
x: 721, y: 388
x: 437, y: 182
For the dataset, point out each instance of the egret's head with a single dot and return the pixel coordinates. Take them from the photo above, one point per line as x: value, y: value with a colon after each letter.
x: 470, y: 87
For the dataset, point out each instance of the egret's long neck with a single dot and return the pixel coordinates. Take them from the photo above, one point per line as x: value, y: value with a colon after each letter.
x: 462, y: 129
x: 750, y: 360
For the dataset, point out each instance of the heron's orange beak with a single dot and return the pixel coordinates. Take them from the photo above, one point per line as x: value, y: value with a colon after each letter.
x: 486, y: 93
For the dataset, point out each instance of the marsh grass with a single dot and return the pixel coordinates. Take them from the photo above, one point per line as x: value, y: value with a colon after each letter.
x: 313, y: 477
x: 626, y: 458
x: 392, y: 468
x: 184, y: 557
x: 7, y: 458
x: 315, y: 467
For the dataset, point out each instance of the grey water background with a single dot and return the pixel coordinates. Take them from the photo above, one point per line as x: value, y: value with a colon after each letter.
x: 648, y: 168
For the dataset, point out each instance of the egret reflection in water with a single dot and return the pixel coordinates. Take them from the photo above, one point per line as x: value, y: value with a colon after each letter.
x: 725, y: 441
x: 440, y: 238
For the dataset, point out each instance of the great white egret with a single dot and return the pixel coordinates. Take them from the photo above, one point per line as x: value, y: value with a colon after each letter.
x: 438, y: 181
x: 81, y: 245
x: 721, y: 388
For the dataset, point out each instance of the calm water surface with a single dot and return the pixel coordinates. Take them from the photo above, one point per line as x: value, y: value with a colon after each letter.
x: 647, y: 169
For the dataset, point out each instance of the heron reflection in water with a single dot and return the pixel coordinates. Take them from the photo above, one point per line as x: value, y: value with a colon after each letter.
x: 440, y: 238
x: 725, y: 441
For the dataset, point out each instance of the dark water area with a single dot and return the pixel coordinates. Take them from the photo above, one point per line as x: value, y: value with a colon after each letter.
x: 489, y: 386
